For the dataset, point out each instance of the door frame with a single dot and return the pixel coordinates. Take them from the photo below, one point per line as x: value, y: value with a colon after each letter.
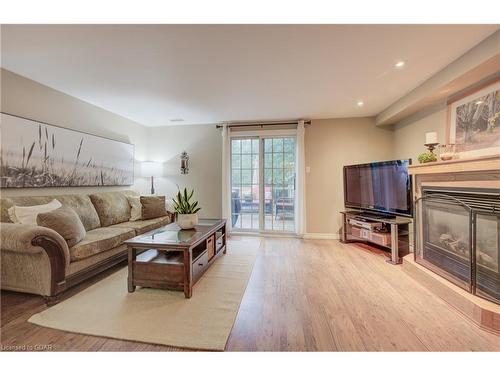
x: 263, y: 134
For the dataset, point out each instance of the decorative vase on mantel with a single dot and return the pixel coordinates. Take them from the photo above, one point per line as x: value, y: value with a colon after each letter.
x: 447, y: 152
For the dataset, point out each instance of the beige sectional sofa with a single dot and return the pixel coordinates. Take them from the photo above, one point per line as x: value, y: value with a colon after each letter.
x: 37, y: 260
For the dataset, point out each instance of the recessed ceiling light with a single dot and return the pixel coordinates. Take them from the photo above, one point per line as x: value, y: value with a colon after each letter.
x: 176, y: 120
x: 479, y: 102
x: 399, y: 64
x: 360, y: 103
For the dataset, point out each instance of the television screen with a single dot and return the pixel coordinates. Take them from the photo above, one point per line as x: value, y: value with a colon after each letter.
x: 384, y: 187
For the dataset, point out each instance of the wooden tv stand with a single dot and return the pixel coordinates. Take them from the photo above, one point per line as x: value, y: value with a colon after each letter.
x: 396, y: 227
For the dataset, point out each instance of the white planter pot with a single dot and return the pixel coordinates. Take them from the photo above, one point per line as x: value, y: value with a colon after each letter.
x: 187, y: 221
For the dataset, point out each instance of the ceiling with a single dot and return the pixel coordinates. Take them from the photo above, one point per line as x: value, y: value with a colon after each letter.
x: 154, y: 74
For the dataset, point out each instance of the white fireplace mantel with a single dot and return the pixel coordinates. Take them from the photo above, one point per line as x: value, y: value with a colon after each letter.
x: 480, y: 164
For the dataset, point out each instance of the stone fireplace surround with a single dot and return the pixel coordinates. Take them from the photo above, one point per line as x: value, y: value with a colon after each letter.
x: 449, y: 255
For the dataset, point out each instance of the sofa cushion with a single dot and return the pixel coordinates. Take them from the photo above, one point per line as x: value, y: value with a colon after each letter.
x: 112, y: 208
x: 153, y: 207
x: 143, y: 226
x: 64, y: 221
x: 135, y: 207
x: 79, y: 202
x: 29, y: 214
x: 99, y: 240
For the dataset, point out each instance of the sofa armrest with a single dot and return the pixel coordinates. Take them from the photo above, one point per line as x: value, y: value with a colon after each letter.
x: 33, y: 239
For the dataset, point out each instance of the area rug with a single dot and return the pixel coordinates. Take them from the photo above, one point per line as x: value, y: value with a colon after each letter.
x: 158, y: 316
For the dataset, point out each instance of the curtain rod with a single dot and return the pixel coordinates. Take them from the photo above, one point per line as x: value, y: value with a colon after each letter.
x: 242, y: 124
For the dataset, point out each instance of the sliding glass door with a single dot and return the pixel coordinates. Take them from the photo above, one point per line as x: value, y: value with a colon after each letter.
x: 245, y: 183
x: 263, y: 171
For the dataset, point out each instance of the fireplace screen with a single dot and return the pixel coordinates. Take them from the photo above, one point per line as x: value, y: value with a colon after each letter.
x: 457, y: 236
x: 487, y: 255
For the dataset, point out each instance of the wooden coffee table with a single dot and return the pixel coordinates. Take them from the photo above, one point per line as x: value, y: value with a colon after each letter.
x: 172, y: 258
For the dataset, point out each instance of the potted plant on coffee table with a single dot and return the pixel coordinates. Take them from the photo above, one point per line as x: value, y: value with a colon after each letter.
x: 187, y: 211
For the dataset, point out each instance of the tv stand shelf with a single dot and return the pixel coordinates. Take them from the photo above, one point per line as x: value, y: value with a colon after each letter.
x: 378, y: 228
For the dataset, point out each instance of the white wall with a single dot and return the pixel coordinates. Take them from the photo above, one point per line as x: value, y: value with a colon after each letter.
x: 23, y: 97
x: 203, y: 143
x: 329, y: 145
x: 409, y: 135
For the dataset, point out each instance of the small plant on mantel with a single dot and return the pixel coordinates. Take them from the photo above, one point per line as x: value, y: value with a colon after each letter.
x: 187, y: 211
x: 427, y: 157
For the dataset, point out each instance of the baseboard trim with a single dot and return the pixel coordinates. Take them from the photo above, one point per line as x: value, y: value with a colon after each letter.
x: 321, y: 236
x: 263, y: 234
x: 306, y: 236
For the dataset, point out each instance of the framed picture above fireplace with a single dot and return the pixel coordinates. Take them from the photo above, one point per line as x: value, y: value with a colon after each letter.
x: 474, y: 121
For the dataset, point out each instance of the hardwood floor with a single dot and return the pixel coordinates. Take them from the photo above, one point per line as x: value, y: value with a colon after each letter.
x: 303, y: 295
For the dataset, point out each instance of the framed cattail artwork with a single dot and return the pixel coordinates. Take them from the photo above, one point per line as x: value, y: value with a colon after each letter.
x: 36, y: 154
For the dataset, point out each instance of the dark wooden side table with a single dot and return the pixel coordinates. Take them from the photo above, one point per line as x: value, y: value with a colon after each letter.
x: 172, y: 258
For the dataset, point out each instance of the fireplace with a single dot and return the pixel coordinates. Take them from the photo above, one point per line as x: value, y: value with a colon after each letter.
x: 457, y: 235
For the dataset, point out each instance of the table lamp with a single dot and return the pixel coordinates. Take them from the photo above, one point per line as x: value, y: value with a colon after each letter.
x: 151, y: 169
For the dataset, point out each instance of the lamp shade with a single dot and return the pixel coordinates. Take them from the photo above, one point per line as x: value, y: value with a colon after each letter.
x: 151, y: 169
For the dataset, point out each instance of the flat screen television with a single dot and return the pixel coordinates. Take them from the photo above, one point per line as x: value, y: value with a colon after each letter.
x: 382, y: 187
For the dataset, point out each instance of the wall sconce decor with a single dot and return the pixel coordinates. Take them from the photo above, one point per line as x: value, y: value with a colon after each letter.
x: 184, y: 163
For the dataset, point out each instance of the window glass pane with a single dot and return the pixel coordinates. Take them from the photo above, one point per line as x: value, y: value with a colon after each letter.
x: 268, y: 222
x: 278, y: 193
x: 255, y: 146
x: 278, y: 160
x: 268, y: 160
x: 255, y: 161
x: 268, y: 176
x: 246, y: 176
x: 246, y: 146
x: 290, y: 177
x: 236, y: 161
x: 236, y: 177
x: 255, y: 221
x: 290, y: 223
x: 268, y: 145
x: 278, y: 176
x: 255, y: 193
x: 236, y: 193
x: 246, y: 161
x: 278, y: 145
x: 235, y: 146
x: 236, y: 221
x: 246, y: 221
x: 289, y: 144
x: 289, y: 160
x: 255, y: 177
x: 268, y: 200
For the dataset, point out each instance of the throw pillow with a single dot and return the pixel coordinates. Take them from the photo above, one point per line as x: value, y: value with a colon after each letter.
x: 28, y: 214
x: 112, y: 207
x: 135, y: 207
x: 153, y: 207
x: 64, y: 221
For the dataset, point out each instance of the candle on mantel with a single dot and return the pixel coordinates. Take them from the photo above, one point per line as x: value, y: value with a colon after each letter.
x: 431, y: 137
